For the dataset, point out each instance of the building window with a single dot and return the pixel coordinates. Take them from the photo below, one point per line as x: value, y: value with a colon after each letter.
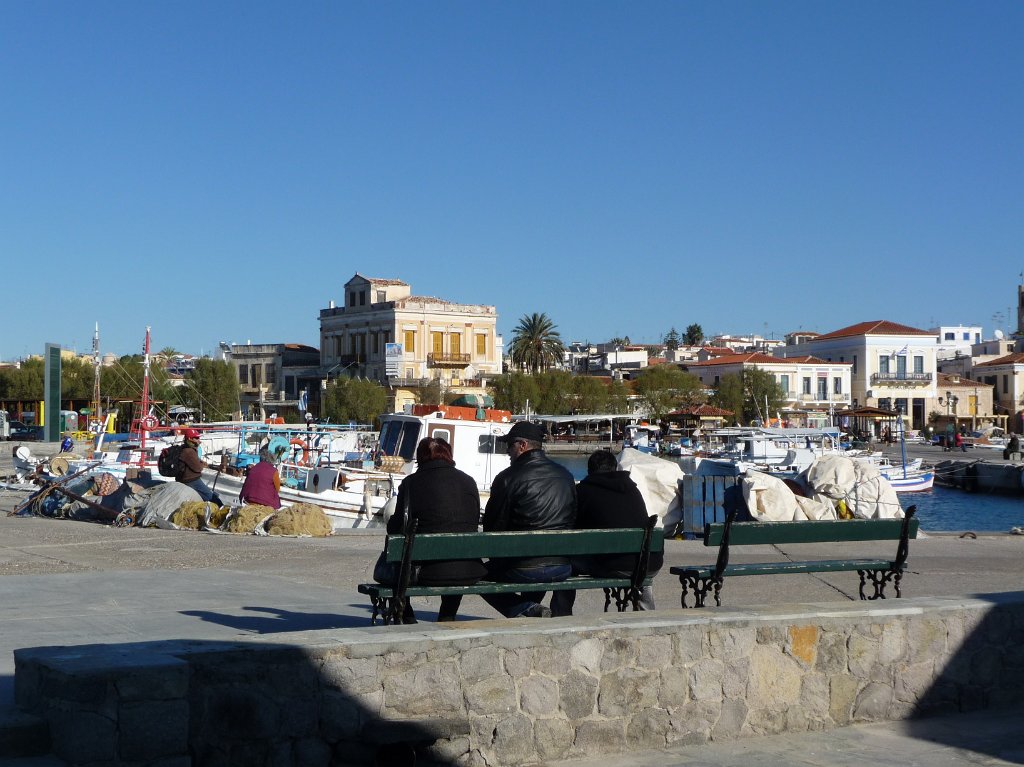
x: 271, y: 373
x: 918, y: 363
x: 382, y: 296
x: 243, y: 374
x: 807, y: 385
x: 949, y: 337
x: 455, y: 344
x: 481, y: 345
x: 352, y: 298
x: 883, y: 364
x: 1006, y: 384
x: 784, y: 383
x: 901, y: 366
x: 822, y: 388
x: 837, y: 385
x: 410, y: 341
x: 375, y: 340
x: 967, y: 336
x: 437, y: 342
x: 854, y: 368
x: 255, y: 379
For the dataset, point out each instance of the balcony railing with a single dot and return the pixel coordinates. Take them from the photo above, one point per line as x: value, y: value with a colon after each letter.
x: 447, y: 360
x: 902, y: 378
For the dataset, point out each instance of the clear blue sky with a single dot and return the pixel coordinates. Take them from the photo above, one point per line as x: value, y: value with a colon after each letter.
x: 219, y: 170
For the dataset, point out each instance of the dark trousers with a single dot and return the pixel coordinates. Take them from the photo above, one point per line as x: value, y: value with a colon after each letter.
x: 513, y: 605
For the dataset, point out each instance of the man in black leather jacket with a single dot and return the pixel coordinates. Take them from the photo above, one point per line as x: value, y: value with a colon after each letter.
x: 534, y: 493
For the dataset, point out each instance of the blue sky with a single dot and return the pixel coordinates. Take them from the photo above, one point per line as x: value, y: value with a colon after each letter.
x: 219, y: 170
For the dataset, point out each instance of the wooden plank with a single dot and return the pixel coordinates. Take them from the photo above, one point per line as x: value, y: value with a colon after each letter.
x: 578, y: 583
x: 829, y: 531
x: 441, y: 546
x: 787, y: 567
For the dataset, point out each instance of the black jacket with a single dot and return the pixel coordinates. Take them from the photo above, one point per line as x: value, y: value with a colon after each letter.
x: 444, y: 500
x: 612, y: 499
x: 534, y: 493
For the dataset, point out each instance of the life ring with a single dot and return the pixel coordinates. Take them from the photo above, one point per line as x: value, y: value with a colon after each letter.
x: 149, y: 423
x: 304, y: 461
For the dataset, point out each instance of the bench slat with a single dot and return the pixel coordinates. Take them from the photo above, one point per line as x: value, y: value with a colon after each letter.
x: 500, y: 587
x: 826, y: 531
x: 536, y: 543
x: 783, y: 568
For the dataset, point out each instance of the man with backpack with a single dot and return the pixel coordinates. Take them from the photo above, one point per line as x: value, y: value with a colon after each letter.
x: 191, y: 467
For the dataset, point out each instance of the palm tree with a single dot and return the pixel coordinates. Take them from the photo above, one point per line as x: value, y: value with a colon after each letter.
x: 536, y: 345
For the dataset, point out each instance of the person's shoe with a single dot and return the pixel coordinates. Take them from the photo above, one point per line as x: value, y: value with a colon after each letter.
x: 535, y: 611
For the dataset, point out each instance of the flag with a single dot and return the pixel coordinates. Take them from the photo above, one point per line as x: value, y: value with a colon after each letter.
x: 304, y: 400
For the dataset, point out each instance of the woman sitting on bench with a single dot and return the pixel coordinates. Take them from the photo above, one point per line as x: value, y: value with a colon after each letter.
x: 443, y: 500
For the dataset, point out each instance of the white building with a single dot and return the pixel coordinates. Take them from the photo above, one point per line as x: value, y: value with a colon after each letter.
x: 893, y: 366
x: 813, y: 387
x: 956, y: 341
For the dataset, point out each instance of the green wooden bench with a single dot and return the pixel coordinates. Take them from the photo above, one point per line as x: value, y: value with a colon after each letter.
x: 412, y: 549
x: 700, y: 579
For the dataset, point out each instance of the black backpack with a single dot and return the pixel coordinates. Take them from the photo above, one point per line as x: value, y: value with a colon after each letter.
x: 169, y: 463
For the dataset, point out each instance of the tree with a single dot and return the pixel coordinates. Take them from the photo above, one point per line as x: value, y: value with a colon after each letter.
x: 354, y: 399
x: 762, y: 395
x: 672, y: 339
x: 515, y: 391
x: 694, y: 335
x: 555, y: 393
x: 746, y: 395
x: 536, y: 344
x: 618, y: 397
x: 212, y: 387
x: 663, y: 388
x: 729, y: 394
x: 591, y: 395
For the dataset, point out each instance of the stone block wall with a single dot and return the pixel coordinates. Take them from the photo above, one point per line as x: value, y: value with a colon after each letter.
x: 519, y: 692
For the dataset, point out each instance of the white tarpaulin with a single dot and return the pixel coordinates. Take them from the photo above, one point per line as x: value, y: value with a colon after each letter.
x: 658, y: 481
x: 769, y: 499
x: 866, y: 493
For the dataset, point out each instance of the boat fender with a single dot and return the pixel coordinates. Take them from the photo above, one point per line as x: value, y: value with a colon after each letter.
x: 149, y: 423
x: 969, y: 534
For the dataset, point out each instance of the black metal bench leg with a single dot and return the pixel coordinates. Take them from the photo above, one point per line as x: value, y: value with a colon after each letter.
x: 624, y: 597
x: 700, y: 588
x: 879, y: 579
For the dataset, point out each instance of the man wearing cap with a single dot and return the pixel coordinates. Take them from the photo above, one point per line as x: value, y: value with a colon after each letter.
x: 534, y: 493
x: 192, y: 474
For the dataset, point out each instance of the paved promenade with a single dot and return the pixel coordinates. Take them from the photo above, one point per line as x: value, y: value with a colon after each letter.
x: 69, y: 583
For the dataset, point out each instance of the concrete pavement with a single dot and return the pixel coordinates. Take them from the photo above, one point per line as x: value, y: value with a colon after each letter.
x: 69, y: 583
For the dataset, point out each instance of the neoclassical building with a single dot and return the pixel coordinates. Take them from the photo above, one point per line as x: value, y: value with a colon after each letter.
x: 383, y: 332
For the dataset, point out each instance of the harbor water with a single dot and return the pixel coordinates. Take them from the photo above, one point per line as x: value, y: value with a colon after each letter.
x: 939, y: 509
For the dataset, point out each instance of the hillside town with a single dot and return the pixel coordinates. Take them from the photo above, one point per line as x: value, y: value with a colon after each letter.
x: 381, y: 331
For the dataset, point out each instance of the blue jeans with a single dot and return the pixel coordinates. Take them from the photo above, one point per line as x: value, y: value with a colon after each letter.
x: 513, y: 605
x: 204, y: 492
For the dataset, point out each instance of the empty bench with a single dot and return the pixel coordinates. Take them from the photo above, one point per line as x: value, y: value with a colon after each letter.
x: 412, y: 549
x: 700, y: 579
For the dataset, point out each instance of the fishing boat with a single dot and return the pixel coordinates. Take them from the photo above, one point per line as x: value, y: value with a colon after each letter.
x: 358, y: 496
x: 772, y: 450
x: 907, y: 476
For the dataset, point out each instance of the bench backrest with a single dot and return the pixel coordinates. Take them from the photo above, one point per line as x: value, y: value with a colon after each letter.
x: 754, y: 533
x: 430, y: 547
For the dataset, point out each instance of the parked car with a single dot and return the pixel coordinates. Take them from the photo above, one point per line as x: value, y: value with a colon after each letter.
x: 22, y: 432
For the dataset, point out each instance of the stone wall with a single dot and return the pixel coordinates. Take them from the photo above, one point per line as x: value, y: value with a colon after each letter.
x: 516, y: 692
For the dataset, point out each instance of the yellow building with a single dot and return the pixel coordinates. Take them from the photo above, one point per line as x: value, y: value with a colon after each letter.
x: 385, y: 333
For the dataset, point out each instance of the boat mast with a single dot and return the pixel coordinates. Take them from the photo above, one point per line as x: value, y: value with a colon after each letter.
x: 96, y: 380
x: 145, y: 401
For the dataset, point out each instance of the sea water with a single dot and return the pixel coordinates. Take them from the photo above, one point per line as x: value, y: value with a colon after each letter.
x: 940, y: 509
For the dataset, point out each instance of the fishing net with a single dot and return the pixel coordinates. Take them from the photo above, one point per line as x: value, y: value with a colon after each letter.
x: 300, y: 519
x: 190, y: 515
x: 247, y: 518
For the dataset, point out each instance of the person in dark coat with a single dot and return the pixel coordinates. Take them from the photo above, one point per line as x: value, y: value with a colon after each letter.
x: 443, y: 500
x: 534, y: 493
x: 607, y: 498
